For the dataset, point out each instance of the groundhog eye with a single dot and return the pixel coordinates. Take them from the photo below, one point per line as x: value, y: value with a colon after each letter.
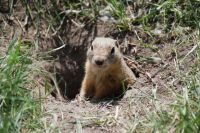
x: 112, y: 50
x: 91, y: 47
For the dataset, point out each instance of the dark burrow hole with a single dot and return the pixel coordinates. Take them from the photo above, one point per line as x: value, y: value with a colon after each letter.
x: 68, y: 62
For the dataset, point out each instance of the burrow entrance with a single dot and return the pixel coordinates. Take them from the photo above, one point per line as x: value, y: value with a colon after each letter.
x: 68, y: 62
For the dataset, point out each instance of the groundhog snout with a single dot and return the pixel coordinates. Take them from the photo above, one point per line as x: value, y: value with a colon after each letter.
x: 99, y: 62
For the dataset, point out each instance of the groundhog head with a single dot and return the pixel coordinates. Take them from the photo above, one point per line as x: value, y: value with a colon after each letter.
x: 102, y: 52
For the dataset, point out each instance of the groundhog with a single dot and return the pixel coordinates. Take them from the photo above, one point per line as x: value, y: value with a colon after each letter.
x: 106, y: 72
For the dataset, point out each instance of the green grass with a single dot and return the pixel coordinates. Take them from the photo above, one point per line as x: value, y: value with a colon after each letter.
x: 188, y: 102
x: 117, y: 10
x: 183, y: 114
x: 19, y: 111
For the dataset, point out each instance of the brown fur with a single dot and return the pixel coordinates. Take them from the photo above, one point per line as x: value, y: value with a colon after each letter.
x: 104, y: 80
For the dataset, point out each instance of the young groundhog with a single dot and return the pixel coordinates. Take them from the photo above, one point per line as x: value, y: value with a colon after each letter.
x: 106, y: 73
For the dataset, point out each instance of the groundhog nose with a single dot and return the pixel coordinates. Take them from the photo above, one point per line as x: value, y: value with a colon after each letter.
x: 99, y: 62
